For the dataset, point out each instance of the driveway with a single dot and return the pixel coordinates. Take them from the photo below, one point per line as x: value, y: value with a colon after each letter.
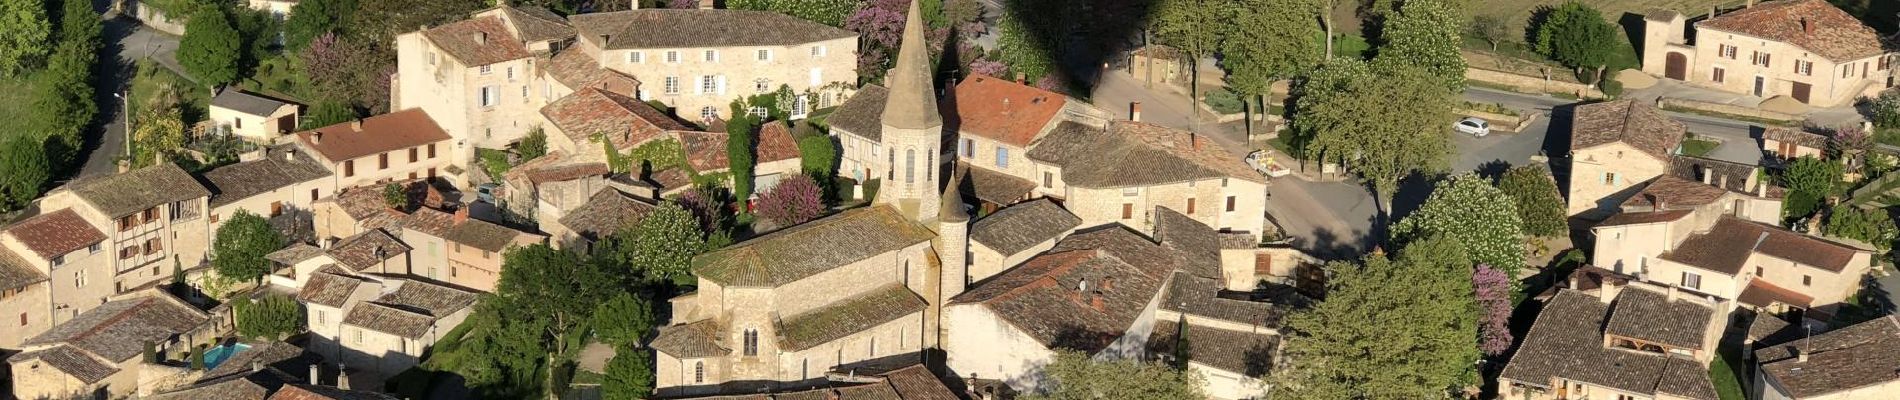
x: 125, y: 43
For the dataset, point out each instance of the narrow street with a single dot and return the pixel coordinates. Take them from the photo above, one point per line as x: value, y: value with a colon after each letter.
x: 125, y: 43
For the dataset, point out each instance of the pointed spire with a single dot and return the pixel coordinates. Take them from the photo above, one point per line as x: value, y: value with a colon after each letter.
x: 912, y: 103
x: 952, y: 207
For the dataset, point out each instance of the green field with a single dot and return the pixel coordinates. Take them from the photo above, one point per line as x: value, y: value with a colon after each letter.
x: 16, y: 108
x: 1517, y: 13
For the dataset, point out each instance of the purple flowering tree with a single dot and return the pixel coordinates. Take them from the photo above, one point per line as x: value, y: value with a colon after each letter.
x: 682, y: 4
x: 988, y: 67
x: 1493, y: 292
x: 795, y: 200
x: 707, y: 206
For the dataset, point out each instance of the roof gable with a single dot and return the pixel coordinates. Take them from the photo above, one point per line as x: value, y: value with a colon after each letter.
x: 57, y: 233
x: 1007, y: 112
x: 659, y: 28
x: 1635, y: 123
x: 477, y: 41
x: 122, y: 194
x: 1813, y: 25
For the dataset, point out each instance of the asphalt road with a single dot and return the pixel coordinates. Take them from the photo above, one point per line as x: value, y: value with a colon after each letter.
x: 126, y: 42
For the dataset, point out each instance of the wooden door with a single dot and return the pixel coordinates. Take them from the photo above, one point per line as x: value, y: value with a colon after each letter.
x: 1801, y: 91
x: 1676, y: 66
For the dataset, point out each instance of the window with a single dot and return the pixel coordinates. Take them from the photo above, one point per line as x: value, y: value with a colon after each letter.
x: 412, y: 154
x: 1048, y: 179
x: 431, y: 58
x: 359, y: 336
x: 672, y: 85
x: 1230, y: 203
x: 524, y: 93
x: 486, y: 69
x: 818, y: 51
x: 708, y: 85
x: 1190, y: 206
x: 94, y: 248
x: 58, y: 260
x: 1847, y: 71
x: 1728, y: 51
x: 1804, y: 67
x: 761, y: 85
x: 79, y: 278
x: 756, y: 111
x: 1131, y: 192
x: 1882, y: 64
x: 798, y: 107
x: 382, y: 161
x: 431, y: 156
x: 765, y: 55
x: 636, y: 57
x: 910, y: 165
x: 672, y: 57
x: 153, y: 246
x: 967, y: 148
x: 490, y: 95
x: 1002, y: 157
x: 323, y: 317
x: 699, y: 372
x: 1719, y: 75
x: 712, y: 55
x: 1807, y: 280
x: 1609, y: 178
x: 349, y: 168
x: 1758, y: 270
x: 1128, y: 210
x: 237, y: 123
x: 1759, y: 58
x: 22, y: 319
x: 751, y: 342
x: 276, y: 208
x: 708, y: 113
x: 511, y: 73
x: 874, y: 347
x: 1691, y: 280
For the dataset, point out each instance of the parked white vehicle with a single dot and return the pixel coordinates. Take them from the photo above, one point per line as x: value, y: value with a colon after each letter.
x: 1263, y: 163
x: 1473, y: 126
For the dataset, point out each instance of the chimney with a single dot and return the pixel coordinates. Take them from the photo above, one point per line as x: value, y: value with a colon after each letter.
x: 461, y: 215
x: 313, y: 374
x: 1707, y: 176
x: 1674, y: 293
x: 1814, y: 225
x: 342, y: 377
x: 969, y: 386
x: 1134, y: 111
x: 1807, y: 27
x: 1096, y: 302
x: 257, y: 365
x: 481, y: 38
x: 316, y: 137
x: 1575, y: 282
x: 356, y: 125
x: 1656, y: 202
x: 1021, y: 78
x: 1800, y: 354
x: 1761, y: 190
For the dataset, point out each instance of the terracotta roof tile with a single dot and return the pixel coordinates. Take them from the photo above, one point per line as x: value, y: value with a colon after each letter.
x: 1814, y: 25
x: 57, y: 233
x: 1728, y: 244
x: 1004, y: 111
x: 606, y: 212
x: 382, y: 133
x: 386, y: 319
x: 1760, y: 293
x: 1728, y: 175
x: 16, y: 272
x: 1135, y: 154
x: 705, y: 151
x: 658, y: 28
x: 1795, y: 135
x: 621, y: 119
x: 577, y: 70
x: 537, y: 24
x: 1855, y: 357
x: 1673, y: 193
x: 477, y: 41
x: 117, y: 330
x: 1651, y: 316
x: 1199, y: 296
x: 240, y: 181
x: 690, y: 340
x: 776, y: 143
x: 1052, y: 297
x: 310, y: 392
x: 1566, y: 342
x: 367, y: 249
x: 1633, y: 122
x: 1644, y: 217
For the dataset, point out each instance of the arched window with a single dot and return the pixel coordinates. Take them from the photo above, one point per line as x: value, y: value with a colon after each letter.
x: 910, y: 165
x: 751, y: 342
x: 699, y: 372
x: 930, y: 167
x: 890, y: 165
x: 906, y: 276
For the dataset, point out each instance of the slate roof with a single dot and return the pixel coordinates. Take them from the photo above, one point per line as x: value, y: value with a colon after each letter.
x: 660, y: 28
x: 847, y: 316
x: 1727, y: 245
x: 1674, y: 194
x: 1247, y: 353
x: 1135, y: 154
x: 607, y: 211
x: 705, y: 151
x: 240, y: 181
x: 1567, y: 342
x: 119, y: 195
x: 537, y: 24
x: 1046, y: 299
x: 1650, y: 316
x: 1728, y: 175
x: 1770, y: 329
x: 625, y: 121
x: 1854, y: 357
x: 1813, y: 25
x: 70, y: 360
x: 312, y: 392
x: 382, y: 133
x: 15, y: 272
x: 1797, y: 136
x: 691, y: 340
x: 1636, y: 123
x: 296, y: 253
x: 361, y: 251
x: 248, y: 386
x: 477, y: 41
x: 329, y: 289
x: 1199, y: 296
x: 246, y: 102
x: 775, y: 143
x: 862, y: 114
x: 1020, y: 226
x: 276, y: 355
x: 1007, y: 112
x: 1196, y: 246
x: 56, y: 233
x: 810, y: 248
x: 995, y: 187
x: 117, y: 330
x: 366, y: 205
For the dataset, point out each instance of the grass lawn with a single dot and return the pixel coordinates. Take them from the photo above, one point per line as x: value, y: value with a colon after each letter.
x: 1346, y: 44
x: 1727, y: 379
x: 195, y: 100
x: 1887, y: 136
x: 495, y: 161
x: 17, y: 117
x: 1699, y: 147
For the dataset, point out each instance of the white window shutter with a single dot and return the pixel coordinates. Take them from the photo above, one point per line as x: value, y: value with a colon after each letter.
x: 721, y: 82
x: 817, y: 77
x: 701, y: 83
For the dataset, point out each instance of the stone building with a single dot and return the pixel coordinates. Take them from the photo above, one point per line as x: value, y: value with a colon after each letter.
x: 1615, y: 146
x: 458, y: 250
x: 62, y: 260
x: 274, y: 370
x: 402, y: 145
x: 1808, y: 50
x: 1010, y: 236
x: 479, y: 77
x: 99, y: 351
x: 279, y: 181
x: 1791, y: 143
x: 913, y: 382
x: 1607, y: 336
x: 253, y: 116
x: 379, y: 325
x: 1852, y: 363
x: 604, y: 213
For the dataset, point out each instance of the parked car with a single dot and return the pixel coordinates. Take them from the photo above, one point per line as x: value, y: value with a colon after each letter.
x: 1263, y: 163
x: 486, y: 192
x: 1473, y: 126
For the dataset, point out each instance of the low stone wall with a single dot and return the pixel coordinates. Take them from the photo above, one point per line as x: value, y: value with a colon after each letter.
x: 1501, y: 122
x: 1531, y: 84
x: 1729, y: 109
x: 156, y: 19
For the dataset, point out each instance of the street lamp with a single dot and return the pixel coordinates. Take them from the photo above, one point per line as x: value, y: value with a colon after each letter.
x: 125, y: 112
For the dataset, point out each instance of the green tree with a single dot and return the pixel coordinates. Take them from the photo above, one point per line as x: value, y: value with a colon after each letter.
x: 1194, y: 27
x: 160, y: 131
x: 1577, y: 36
x: 1466, y: 208
x: 624, y: 319
x: 326, y: 113
x: 239, y: 250
x: 24, y: 36
x: 1812, y: 176
x: 662, y: 244
x: 1077, y: 376
x: 23, y: 171
x: 395, y: 196
x: 1383, y: 127
x: 741, y: 137
x: 272, y: 317
x: 1491, y: 28
x: 211, y: 48
x: 1025, y: 49
x: 1371, y: 339
x: 1425, y: 34
x: 551, y: 295
x: 78, y: 23
x: 534, y: 145
x: 1263, y: 47
x: 311, y: 18
x: 1870, y: 225
x: 1539, y: 206
x: 380, y: 21
x: 629, y: 374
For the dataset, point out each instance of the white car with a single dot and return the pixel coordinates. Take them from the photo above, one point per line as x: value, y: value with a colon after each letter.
x: 1473, y: 126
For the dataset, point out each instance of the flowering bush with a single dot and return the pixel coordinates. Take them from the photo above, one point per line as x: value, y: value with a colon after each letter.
x: 1493, y: 290
x: 794, y: 201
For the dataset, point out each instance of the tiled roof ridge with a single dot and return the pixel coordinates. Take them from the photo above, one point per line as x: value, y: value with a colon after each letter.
x: 1538, y: 322
x: 402, y: 308
x: 1067, y: 262
x: 121, y: 316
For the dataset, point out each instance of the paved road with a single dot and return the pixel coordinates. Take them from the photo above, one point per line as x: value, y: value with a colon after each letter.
x: 126, y: 42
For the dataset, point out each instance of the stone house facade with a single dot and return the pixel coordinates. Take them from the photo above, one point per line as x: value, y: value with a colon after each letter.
x: 478, y: 77
x: 1808, y: 50
x: 98, y: 352
x: 252, y: 116
x: 66, y: 258
x: 459, y: 250
x: 402, y: 145
x: 1613, y: 147
x: 153, y: 217
x: 270, y: 183
x: 1608, y: 336
x: 383, y: 325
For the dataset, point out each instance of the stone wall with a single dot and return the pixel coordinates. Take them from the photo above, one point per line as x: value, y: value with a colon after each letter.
x: 1719, y: 108
x: 156, y: 19
x: 1531, y: 84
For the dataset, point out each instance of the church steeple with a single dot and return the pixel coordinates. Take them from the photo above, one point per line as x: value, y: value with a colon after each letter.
x: 913, y: 132
x: 912, y: 103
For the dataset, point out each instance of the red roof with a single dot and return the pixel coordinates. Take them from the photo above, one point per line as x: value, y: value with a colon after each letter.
x: 776, y: 143
x: 1004, y: 111
x: 383, y: 133
x: 705, y: 151
x: 478, y: 41
x: 1760, y: 293
x: 57, y: 233
x: 1814, y: 25
x: 625, y: 121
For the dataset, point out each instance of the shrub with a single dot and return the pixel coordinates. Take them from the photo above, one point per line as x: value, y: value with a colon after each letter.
x: 1224, y: 101
x: 272, y: 317
x: 1612, y: 87
x: 1886, y: 110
